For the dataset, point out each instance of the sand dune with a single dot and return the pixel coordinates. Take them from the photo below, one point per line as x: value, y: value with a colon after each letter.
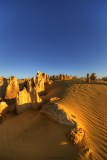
x: 32, y: 135
x: 88, y: 102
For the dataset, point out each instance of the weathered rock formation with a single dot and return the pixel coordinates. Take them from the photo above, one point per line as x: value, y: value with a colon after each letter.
x: 33, y: 80
x: 94, y: 76
x: 22, y: 83
x: 23, y: 101
x: 61, y: 77
x: 46, y: 79
x: 88, y: 77
x: 23, y: 97
x: 12, y: 89
x: 29, y: 85
x: 3, y: 86
x: 40, y: 82
x: 27, y: 100
x: 70, y: 77
x: 36, y: 98
x: 3, y: 110
x: 76, y: 135
x: 57, y: 113
x: 1, y: 80
x: 49, y: 81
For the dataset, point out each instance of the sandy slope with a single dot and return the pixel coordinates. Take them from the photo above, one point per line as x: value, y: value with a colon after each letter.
x: 32, y: 136
x: 88, y: 102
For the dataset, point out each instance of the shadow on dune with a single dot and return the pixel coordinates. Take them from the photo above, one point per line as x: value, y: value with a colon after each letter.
x: 36, y: 137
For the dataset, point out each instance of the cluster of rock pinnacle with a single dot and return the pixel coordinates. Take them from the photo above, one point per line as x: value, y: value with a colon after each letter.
x: 20, y: 94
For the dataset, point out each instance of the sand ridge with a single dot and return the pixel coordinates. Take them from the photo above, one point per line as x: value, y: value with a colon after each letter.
x: 88, y: 102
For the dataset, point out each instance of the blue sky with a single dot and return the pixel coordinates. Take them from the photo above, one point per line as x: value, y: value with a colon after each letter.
x: 53, y: 36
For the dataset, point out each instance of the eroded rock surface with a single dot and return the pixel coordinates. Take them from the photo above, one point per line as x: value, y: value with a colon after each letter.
x: 12, y: 89
x: 3, y: 110
x: 40, y: 82
x: 36, y: 100
x: 29, y: 85
x: 26, y: 100
x: 88, y: 77
x: 76, y: 135
x: 57, y: 113
x: 36, y: 97
x: 3, y: 86
x: 94, y: 76
x: 23, y: 101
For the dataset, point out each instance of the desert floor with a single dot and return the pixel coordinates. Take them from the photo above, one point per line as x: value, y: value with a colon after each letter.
x: 32, y: 136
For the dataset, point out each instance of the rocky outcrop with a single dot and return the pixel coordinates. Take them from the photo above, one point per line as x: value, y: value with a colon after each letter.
x: 88, y: 77
x: 3, y: 86
x: 70, y: 77
x: 23, y: 101
x: 22, y: 84
x: 1, y: 80
x: 3, y: 110
x: 29, y: 85
x: 40, y: 82
x: 76, y: 135
x: 50, y: 82
x: 26, y: 100
x: 33, y: 80
x: 46, y: 77
x: 12, y: 89
x: 57, y: 113
x: 61, y: 77
x: 36, y: 100
x: 23, y: 97
x: 94, y: 76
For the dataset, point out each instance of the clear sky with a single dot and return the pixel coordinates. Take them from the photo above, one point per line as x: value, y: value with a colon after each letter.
x: 53, y: 36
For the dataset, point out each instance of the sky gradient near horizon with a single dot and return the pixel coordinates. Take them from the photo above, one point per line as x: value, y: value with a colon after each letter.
x: 53, y: 36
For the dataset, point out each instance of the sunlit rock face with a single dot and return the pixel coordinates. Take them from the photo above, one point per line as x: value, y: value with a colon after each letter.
x: 70, y: 77
x: 23, y: 101
x: 40, y: 82
x: 36, y: 100
x: 12, y: 89
x: 3, y: 110
x: 23, y: 97
x: 1, y: 80
x: 36, y: 97
x: 50, y: 82
x: 27, y: 100
x: 76, y: 135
